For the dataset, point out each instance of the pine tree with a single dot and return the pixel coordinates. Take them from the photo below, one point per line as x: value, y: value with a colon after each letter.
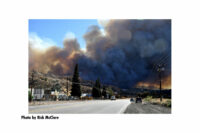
x: 96, y: 89
x: 76, y: 88
x: 104, y: 93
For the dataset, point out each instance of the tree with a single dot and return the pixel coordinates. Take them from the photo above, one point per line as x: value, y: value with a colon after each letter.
x: 30, y: 97
x: 110, y: 91
x: 32, y: 83
x: 76, y: 88
x: 96, y: 89
x: 56, y: 86
x: 104, y: 93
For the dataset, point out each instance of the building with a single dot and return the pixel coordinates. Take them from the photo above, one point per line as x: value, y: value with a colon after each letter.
x: 38, y: 94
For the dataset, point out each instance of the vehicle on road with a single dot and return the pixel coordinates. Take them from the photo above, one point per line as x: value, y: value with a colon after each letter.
x: 62, y: 97
x: 70, y: 98
x: 138, y: 100
x: 131, y: 100
x: 75, y: 98
x: 113, y: 98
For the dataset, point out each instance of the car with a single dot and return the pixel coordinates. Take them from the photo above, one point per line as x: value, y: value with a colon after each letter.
x: 62, y: 97
x: 138, y: 100
x: 65, y: 97
x: 131, y: 100
x: 70, y: 98
x: 112, y: 98
x: 76, y: 98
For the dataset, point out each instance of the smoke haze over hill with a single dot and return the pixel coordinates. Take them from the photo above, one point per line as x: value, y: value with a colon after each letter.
x: 123, y: 55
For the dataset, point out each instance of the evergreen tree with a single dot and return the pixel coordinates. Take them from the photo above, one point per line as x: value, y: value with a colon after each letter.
x: 76, y: 88
x: 57, y: 86
x: 104, y: 93
x: 96, y: 89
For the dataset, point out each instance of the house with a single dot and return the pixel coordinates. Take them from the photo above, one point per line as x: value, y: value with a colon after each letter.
x: 37, y: 93
x: 45, y: 94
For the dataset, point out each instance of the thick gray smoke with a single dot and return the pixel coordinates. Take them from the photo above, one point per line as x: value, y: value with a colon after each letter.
x: 123, y: 56
x: 126, y: 54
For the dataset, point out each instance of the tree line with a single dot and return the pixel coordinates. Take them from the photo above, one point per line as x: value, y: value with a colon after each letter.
x: 98, y: 90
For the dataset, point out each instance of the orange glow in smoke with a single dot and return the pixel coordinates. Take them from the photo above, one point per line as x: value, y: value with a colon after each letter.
x: 166, y: 84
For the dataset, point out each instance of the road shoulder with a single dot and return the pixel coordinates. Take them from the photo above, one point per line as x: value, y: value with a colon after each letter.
x: 146, y: 108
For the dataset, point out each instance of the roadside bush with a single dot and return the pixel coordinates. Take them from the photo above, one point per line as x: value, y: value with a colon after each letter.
x: 148, y: 98
x: 167, y: 103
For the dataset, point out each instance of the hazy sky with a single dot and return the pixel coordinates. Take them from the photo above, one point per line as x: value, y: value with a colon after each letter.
x: 53, y: 31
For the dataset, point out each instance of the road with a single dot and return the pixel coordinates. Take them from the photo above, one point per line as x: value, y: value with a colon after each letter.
x: 146, y: 108
x: 82, y: 107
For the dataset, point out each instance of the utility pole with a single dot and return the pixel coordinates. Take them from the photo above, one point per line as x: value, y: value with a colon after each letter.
x: 160, y: 69
x: 67, y: 87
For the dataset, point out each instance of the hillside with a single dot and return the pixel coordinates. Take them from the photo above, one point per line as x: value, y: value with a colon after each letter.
x: 51, y: 81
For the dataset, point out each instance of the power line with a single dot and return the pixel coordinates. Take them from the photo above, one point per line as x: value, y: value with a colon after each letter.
x: 159, y: 67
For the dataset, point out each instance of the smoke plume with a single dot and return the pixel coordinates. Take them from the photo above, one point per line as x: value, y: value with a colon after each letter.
x: 124, y: 55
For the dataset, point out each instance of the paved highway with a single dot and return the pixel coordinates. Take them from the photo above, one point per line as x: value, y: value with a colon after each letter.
x: 82, y: 107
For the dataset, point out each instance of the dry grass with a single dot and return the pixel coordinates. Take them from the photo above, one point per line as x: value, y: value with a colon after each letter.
x: 165, y: 101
